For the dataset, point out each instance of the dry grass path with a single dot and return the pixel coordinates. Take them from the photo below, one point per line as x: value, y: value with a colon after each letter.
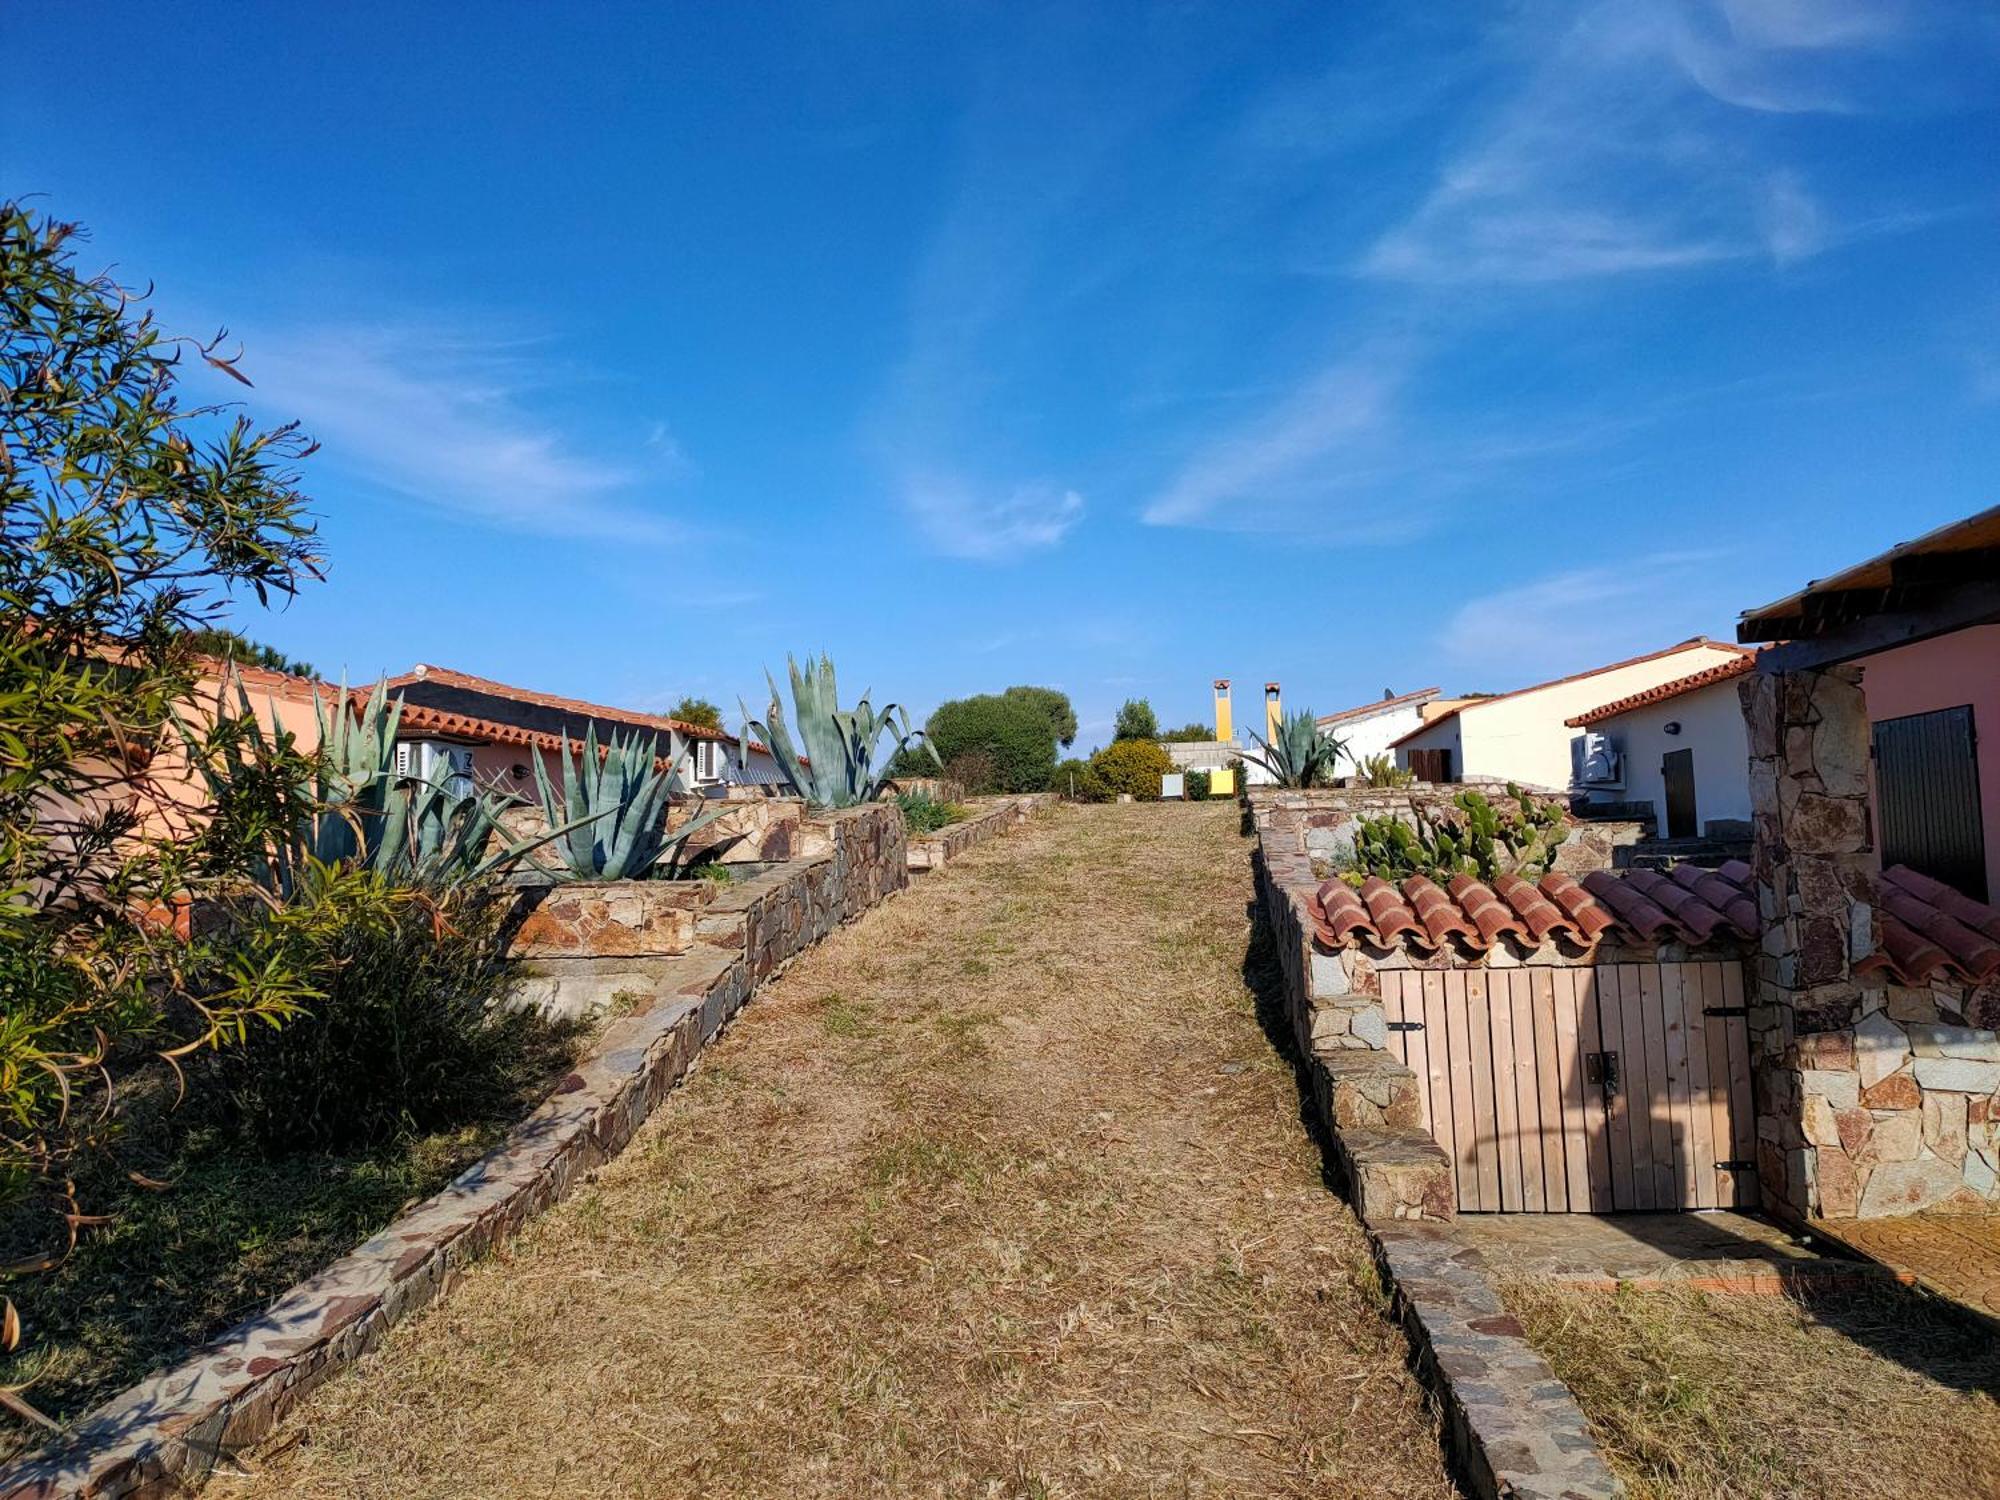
x: 1000, y: 1192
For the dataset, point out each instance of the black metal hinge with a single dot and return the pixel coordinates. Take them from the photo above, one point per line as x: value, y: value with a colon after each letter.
x: 1406, y: 1025
x: 1738, y: 1164
x: 1725, y: 1010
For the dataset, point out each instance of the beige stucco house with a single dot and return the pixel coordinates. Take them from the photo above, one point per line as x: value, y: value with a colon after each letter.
x: 1524, y: 735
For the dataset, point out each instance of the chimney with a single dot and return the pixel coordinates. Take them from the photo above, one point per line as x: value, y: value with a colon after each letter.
x: 1274, y: 713
x: 1223, y: 727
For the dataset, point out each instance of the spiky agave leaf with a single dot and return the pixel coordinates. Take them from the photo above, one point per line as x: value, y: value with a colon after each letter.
x: 615, y: 802
x: 837, y: 767
x: 1301, y: 754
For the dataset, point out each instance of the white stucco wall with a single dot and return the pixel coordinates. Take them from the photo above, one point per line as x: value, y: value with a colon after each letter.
x: 1372, y: 734
x: 1523, y: 737
x: 1711, y: 725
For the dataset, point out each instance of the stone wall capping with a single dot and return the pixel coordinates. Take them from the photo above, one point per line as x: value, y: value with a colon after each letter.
x: 995, y: 815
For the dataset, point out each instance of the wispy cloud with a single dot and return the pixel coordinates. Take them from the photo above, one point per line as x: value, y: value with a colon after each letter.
x: 959, y: 522
x: 457, y: 422
x: 1625, y: 151
x: 1304, y: 449
x: 1520, y: 634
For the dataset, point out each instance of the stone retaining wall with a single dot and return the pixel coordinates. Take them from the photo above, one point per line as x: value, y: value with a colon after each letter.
x: 1326, y: 819
x: 1872, y: 1098
x: 168, y: 1432
x: 1513, y: 1429
x: 1370, y: 1100
x: 992, y: 815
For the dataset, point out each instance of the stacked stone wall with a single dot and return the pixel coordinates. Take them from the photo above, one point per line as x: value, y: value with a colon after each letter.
x: 1873, y: 1099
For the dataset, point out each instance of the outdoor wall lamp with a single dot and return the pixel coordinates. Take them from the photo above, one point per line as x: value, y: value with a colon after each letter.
x: 1672, y: 726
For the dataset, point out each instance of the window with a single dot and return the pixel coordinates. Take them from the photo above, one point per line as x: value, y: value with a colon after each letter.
x: 1927, y: 794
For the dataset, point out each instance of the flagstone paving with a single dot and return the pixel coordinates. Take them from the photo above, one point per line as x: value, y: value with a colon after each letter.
x: 1957, y: 1258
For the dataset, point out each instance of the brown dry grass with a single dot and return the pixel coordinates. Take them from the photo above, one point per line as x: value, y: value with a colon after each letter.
x: 1840, y: 1395
x: 1000, y: 1192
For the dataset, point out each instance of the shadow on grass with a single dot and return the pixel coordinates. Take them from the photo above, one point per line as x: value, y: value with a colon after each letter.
x: 176, y: 1267
x: 1265, y: 978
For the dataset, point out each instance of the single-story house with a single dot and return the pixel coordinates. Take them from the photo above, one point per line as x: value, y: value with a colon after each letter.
x: 487, y: 730
x: 1524, y: 736
x: 1369, y: 729
x: 1679, y: 748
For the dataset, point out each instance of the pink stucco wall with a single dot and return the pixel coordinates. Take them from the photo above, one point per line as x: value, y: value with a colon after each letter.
x: 1942, y: 673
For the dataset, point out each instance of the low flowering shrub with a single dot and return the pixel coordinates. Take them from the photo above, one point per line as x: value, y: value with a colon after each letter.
x: 1133, y: 767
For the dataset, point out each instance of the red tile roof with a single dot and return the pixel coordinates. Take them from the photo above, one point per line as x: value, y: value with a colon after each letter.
x: 1690, y: 905
x: 1740, y: 667
x: 1690, y: 644
x: 1930, y: 932
x: 1364, y: 710
x: 448, y: 678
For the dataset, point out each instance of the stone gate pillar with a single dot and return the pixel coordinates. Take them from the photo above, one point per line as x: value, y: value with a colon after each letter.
x: 1815, y: 865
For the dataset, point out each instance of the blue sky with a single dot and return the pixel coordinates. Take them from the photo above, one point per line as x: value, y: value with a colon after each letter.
x: 1114, y: 347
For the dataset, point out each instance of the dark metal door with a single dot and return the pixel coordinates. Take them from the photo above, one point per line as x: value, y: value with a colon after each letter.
x: 1677, y: 770
x: 1927, y: 795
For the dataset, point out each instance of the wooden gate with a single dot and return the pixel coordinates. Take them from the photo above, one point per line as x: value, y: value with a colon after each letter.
x: 1583, y: 1090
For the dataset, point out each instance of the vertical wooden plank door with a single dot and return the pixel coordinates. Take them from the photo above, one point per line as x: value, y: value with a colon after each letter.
x: 1614, y: 1088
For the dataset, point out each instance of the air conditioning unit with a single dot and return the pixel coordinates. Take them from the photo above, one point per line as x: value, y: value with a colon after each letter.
x: 431, y: 760
x: 1595, y: 762
x: 709, y: 759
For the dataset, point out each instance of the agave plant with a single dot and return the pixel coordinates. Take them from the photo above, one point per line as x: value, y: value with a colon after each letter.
x: 617, y: 801
x: 1301, y: 754
x: 837, y: 768
x: 352, y: 808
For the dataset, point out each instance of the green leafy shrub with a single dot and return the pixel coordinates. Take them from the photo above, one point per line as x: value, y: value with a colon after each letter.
x: 406, y: 1035
x: 923, y: 813
x: 1133, y: 767
x: 697, y: 711
x: 1079, y: 781
x: 1197, y: 786
x: 1012, y: 735
x: 1188, y: 734
x: 127, y: 518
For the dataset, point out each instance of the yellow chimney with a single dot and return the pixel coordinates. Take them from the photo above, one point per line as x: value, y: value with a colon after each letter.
x: 1274, y: 714
x: 1223, y: 728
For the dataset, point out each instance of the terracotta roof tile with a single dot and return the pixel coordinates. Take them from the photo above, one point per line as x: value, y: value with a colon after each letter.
x: 1930, y: 932
x: 1474, y: 917
x: 1721, y: 672
x: 448, y: 678
x: 1380, y: 705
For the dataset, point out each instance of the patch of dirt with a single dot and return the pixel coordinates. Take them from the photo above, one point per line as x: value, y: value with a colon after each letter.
x: 1001, y: 1191
x: 1833, y: 1395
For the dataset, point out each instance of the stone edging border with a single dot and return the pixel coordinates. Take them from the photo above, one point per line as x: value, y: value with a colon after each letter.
x: 168, y: 1431
x: 1513, y: 1431
x: 935, y: 850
